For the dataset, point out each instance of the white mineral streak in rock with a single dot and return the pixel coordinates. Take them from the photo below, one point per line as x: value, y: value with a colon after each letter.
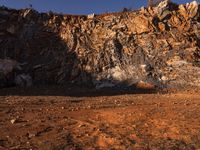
x: 26, y: 13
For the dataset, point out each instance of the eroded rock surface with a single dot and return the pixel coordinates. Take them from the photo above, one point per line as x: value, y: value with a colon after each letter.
x: 144, y: 46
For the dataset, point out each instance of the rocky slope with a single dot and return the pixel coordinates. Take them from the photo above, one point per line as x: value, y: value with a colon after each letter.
x: 151, y: 47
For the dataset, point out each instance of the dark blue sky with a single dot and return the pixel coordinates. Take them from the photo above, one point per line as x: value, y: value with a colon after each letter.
x: 78, y: 6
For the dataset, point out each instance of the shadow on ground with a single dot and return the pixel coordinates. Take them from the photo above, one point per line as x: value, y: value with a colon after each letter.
x: 73, y: 91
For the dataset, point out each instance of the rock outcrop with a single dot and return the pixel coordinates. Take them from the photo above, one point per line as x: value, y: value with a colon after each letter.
x: 113, y: 49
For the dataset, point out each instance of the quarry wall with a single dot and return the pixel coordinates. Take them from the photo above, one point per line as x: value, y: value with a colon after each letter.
x: 159, y: 46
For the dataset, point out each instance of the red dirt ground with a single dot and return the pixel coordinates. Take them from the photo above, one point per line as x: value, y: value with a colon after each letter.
x: 82, y: 119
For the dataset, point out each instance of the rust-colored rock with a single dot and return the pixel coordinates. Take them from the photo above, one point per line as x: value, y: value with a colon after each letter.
x: 157, y: 45
x: 161, y: 26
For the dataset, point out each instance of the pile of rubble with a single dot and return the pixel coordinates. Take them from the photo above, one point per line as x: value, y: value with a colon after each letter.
x: 158, y: 45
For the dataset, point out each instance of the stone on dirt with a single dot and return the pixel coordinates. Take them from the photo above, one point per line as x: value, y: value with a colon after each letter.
x: 13, y: 121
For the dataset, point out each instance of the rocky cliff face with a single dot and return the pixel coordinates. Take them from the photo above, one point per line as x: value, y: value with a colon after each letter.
x: 159, y: 47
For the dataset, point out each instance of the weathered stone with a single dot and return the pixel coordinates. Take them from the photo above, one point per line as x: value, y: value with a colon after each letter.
x: 140, y: 25
x: 175, y: 21
x: 183, y: 11
x: 13, y: 121
x: 161, y: 26
x: 91, y: 16
x: 144, y: 48
x: 192, y: 9
x: 163, y: 5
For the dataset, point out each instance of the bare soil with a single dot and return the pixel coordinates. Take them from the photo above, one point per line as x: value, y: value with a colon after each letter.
x: 64, y: 118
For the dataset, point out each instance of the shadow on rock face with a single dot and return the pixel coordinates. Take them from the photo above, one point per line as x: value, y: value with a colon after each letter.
x: 116, y: 51
x: 52, y: 49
